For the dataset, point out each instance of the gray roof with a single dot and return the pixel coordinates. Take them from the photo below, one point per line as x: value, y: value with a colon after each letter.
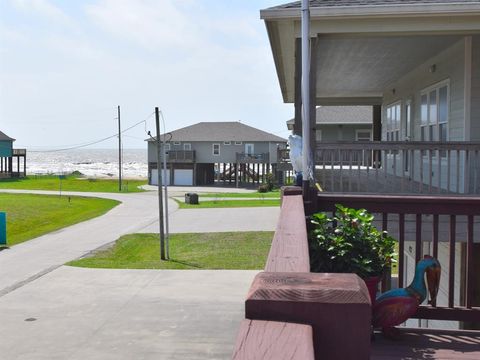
x: 342, y: 3
x: 4, y: 137
x: 330, y: 115
x: 221, y: 131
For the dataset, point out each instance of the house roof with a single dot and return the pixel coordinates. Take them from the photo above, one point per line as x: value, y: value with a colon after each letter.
x: 221, y: 131
x: 4, y: 137
x: 341, y: 3
x: 334, y: 115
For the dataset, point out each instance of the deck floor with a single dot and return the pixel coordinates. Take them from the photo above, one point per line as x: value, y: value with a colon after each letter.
x: 428, y: 344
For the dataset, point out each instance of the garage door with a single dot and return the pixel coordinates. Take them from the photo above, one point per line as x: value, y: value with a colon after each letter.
x: 154, y: 177
x: 183, y: 177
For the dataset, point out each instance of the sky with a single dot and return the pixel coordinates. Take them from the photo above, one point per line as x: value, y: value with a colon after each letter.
x: 66, y: 65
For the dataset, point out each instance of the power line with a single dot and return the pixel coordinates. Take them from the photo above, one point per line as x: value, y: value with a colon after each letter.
x: 78, y: 146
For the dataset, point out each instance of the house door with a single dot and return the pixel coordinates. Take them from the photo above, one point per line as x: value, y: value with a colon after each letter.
x: 249, y: 149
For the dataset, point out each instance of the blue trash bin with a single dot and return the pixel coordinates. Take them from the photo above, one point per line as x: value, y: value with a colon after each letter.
x: 3, y: 228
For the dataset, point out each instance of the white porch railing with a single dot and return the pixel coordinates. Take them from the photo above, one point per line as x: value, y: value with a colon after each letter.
x: 399, y: 167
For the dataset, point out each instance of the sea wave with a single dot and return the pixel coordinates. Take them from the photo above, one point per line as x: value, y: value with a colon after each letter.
x: 90, y: 162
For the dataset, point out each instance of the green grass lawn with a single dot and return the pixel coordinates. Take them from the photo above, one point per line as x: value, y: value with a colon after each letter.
x: 256, y: 194
x: 70, y: 183
x: 230, y: 250
x: 229, y: 203
x: 29, y: 216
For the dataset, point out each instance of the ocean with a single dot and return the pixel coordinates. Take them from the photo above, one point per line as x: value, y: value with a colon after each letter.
x: 90, y: 162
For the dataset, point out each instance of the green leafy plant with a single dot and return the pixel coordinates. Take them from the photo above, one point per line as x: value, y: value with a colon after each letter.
x: 350, y: 243
x: 270, y: 181
x: 263, y: 188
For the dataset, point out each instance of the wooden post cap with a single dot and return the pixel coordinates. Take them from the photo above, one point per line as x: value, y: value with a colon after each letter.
x: 336, y: 305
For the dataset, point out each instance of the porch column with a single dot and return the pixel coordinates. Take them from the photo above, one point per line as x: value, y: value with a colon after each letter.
x: 377, y: 123
x: 297, y: 125
x: 313, y: 98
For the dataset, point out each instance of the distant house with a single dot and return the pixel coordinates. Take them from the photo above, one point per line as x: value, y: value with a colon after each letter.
x: 342, y: 123
x: 11, y: 159
x: 228, y: 152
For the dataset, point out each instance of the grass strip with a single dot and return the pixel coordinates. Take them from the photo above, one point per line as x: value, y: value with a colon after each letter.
x: 228, y: 250
x: 272, y: 194
x: 71, y: 183
x: 30, y: 216
x: 229, y: 203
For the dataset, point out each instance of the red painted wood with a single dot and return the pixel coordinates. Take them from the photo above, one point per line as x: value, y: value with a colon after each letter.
x: 272, y: 340
x: 470, y: 264
x: 451, y: 265
x: 289, y: 249
x: 336, y: 305
x: 428, y: 344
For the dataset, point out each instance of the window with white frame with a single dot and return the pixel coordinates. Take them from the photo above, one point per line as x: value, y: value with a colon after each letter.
x: 187, y: 146
x: 216, y: 149
x: 238, y: 143
x: 393, y: 122
x: 167, y: 147
x: 318, y: 135
x: 434, y: 113
x: 176, y: 143
x: 227, y: 143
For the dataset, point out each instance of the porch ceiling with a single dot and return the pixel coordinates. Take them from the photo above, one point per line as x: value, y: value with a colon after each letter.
x: 363, y: 66
x: 364, y: 48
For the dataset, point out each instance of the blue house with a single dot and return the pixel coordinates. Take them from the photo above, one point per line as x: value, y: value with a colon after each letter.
x: 9, y: 157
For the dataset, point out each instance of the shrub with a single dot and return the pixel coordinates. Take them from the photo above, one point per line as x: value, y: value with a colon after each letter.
x: 349, y: 243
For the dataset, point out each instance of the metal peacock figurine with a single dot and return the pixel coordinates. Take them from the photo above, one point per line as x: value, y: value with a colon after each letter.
x: 397, y: 305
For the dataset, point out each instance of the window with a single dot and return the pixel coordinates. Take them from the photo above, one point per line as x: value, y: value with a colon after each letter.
x: 216, y: 149
x: 434, y: 113
x: 393, y: 122
x: 187, y: 147
x: 167, y: 147
x: 238, y: 143
x: 318, y: 135
x: 176, y: 143
x: 363, y: 135
x: 227, y: 143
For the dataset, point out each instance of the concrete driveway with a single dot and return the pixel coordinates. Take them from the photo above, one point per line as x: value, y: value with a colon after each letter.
x: 94, y: 314
x: 50, y: 311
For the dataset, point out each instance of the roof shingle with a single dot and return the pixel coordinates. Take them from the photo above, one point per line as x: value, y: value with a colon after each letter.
x: 221, y: 131
x: 4, y: 137
x: 342, y: 3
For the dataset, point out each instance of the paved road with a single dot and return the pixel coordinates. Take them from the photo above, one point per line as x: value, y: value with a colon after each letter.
x: 137, y: 213
x: 122, y: 314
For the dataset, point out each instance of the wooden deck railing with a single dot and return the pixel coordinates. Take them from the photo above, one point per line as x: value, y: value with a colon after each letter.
x: 430, y: 223
x: 19, y: 152
x: 302, y: 308
x: 181, y: 156
x: 399, y: 167
x: 262, y: 158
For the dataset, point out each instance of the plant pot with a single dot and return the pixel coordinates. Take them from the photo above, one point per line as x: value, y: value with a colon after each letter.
x: 372, y: 286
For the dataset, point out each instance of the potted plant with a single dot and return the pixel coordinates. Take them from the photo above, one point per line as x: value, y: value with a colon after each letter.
x: 348, y: 242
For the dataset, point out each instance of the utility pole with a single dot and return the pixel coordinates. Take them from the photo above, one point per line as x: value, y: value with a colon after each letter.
x: 160, y: 199
x: 119, y: 153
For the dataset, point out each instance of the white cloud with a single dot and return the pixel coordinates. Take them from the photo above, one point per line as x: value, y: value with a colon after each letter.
x: 44, y: 8
x: 149, y: 23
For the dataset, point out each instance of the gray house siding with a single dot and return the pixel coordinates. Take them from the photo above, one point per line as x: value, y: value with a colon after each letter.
x: 343, y: 132
x: 475, y: 90
x: 449, y: 66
